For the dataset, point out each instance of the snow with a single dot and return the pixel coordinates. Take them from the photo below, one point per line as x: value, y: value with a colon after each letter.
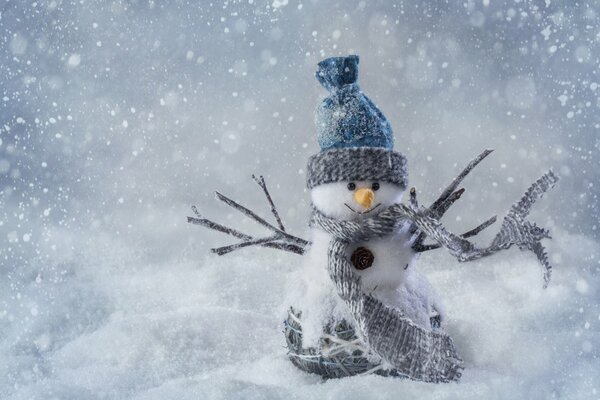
x: 212, y: 328
x: 18, y: 44
x: 106, y: 292
x: 74, y: 60
x: 520, y: 92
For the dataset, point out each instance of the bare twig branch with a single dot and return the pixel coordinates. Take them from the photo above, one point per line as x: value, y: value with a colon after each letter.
x: 446, y: 199
x: 245, y: 211
x: 452, y: 187
x: 418, y: 243
x: 261, y: 182
x: 264, y: 242
x: 437, y: 214
x: 413, y: 198
x: 227, y: 249
x: 218, y: 227
x: 293, y: 248
x: 251, y: 214
x: 195, y: 210
x: 426, y: 247
x: 445, y: 205
x: 415, y: 206
x: 479, y: 228
x: 280, y: 239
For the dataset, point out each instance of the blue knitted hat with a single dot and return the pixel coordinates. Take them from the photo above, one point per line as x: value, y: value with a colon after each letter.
x: 348, y: 118
x: 355, y: 137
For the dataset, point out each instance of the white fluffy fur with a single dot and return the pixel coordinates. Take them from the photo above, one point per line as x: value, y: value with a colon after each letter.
x: 392, y: 278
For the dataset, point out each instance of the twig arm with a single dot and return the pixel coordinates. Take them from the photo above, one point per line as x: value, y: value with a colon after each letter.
x: 218, y: 227
x: 292, y: 248
x: 479, y: 228
x: 456, y: 181
x: 280, y: 239
x: 261, y: 182
x: 254, y: 216
x: 515, y: 229
x: 426, y: 247
x: 445, y: 205
x: 245, y: 211
x: 228, y: 249
x: 413, y: 198
x: 264, y: 242
x: 448, y: 197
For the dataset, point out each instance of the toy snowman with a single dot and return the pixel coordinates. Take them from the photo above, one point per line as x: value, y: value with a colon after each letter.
x: 356, y: 175
x: 359, y: 305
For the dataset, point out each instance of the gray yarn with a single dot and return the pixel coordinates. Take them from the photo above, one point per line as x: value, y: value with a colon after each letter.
x: 515, y: 230
x: 357, y: 164
x: 415, y: 352
x: 418, y: 353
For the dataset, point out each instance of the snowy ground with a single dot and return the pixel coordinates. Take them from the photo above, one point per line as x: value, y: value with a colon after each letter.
x: 115, y: 328
x: 117, y: 116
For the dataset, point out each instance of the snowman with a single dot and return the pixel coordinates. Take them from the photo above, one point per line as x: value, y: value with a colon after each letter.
x: 358, y: 175
x: 385, y: 265
x: 359, y: 304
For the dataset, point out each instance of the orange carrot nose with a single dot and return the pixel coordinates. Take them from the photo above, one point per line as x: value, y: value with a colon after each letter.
x: 364, y: 197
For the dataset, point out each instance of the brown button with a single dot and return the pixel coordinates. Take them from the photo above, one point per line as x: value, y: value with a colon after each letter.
x: 362, y: 258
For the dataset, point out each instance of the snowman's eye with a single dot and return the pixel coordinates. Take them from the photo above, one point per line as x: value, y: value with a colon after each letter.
x: 375, y: 186
x: 351, y: 186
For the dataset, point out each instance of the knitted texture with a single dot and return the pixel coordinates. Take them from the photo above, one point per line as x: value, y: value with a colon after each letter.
x: 340, y: 352
x: 515, y: 230
x: 415, y: 352
x: 418, y: 353
x: 347, y: 117
x: 357, y: 164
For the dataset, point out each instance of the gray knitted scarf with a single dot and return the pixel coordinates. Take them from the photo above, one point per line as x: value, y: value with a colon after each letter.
x: 419, y: 353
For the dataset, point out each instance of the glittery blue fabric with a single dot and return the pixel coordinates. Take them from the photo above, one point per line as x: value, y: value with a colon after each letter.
x: 348, y: 118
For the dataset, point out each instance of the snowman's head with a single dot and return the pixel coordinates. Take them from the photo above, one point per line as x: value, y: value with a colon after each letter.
x: 350, y: 200
x: 357, y: 174
x: 355, y: 183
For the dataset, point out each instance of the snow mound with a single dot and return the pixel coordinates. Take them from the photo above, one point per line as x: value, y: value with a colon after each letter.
x: 212, y: 329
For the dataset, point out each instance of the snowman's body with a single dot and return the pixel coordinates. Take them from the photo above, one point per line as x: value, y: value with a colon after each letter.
x: 392, y: 277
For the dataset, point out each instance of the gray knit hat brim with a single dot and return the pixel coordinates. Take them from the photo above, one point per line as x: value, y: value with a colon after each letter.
x: 357, y: 164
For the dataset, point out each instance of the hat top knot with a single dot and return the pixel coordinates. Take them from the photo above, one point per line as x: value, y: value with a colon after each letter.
x: 335, y: 72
